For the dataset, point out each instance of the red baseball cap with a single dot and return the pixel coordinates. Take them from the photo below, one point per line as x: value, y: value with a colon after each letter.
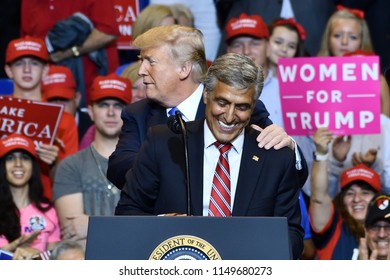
x: 361, y: 172
x: 111, y: 86
x: 58, y: 83
x: 17, y: 142
x: 247, y: 25
x: 26, y: 46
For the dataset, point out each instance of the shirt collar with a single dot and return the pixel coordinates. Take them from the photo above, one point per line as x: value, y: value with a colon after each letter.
x: 187, y: 108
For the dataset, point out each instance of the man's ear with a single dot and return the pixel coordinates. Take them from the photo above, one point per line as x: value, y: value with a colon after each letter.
x: 8, y: 71
x: 90, y: 113
x: 45, y: 70
x: 205, y: 95
x: 185, y: 70
x: 77, y: 98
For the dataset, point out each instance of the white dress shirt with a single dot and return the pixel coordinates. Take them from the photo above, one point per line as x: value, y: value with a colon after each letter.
x: 187, y: 108
x: 210, y: 160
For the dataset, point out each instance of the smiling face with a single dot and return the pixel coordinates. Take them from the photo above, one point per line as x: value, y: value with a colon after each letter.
x: 283, y: 43
x: 378, y: 238
x: 356, y: 200
x: 345, y: 36
x: 19, y: 166
x: 228, y: 111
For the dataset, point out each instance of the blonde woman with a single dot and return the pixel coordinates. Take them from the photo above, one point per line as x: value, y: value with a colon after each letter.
x: 152, y: 16
x: 347, y: 32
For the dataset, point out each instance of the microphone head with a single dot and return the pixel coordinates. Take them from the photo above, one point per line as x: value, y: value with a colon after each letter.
x: 174, y: 124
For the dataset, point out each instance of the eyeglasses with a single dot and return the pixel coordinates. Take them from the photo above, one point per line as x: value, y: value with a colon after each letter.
x: 377, y: 228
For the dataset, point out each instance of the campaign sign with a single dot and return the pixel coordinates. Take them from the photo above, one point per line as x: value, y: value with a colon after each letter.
x: 126, y: 12
x: 37, y: 120
x: 340, y: 93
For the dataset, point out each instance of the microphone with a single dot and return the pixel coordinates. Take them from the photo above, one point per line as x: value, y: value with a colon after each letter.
x: 174, y: 124
x: 177, y: 125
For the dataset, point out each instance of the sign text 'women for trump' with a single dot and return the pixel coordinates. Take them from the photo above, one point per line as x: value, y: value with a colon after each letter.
x: 341, y: 93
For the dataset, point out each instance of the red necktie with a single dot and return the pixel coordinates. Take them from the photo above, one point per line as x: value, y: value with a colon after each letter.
x: 220, y: 191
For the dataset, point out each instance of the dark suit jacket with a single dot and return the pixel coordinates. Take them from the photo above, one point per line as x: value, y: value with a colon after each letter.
x: 268, y: 186
x: 137, y: 119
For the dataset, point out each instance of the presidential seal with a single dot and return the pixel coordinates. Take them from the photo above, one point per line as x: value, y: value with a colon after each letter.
x: 185, y: 247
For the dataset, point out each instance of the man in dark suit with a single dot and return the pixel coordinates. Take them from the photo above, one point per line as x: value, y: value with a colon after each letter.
x: 260, y: 182
x: 173, y: 64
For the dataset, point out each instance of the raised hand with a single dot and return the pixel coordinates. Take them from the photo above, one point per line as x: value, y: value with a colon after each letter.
x: 367, y: 158
x: 341, y: 146
x: 322, y: 137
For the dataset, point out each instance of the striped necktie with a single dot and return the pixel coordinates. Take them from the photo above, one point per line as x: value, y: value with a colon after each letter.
x: 220, y: 192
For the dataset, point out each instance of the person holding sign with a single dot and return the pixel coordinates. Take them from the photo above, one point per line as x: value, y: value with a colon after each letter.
x: 59, y: 87
x: 347, y: 34
x: 28, y: 221
x: 347, y: 31
x: 99, y: 15
x: 338, y: 224
x: 27, y: 60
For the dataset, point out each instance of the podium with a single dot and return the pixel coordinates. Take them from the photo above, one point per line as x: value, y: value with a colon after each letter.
x: 187, y: 238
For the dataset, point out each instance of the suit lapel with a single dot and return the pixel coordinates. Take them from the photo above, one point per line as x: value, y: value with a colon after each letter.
x: 201, y: 110
x: 252, y: 161
x: 158, y: 115
x: 195, y: 145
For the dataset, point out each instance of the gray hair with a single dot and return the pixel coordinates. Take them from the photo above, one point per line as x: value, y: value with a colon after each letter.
x: 237, y: 71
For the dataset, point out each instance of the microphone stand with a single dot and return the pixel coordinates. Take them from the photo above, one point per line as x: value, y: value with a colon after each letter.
x: 187, y: 164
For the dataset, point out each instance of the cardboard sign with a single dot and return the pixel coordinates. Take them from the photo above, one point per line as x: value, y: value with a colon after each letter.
x: 341, y: 93
x: 37, y: 120
x: 126, y: 12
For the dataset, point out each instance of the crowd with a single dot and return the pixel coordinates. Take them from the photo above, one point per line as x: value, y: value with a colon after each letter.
x: 113, y: 154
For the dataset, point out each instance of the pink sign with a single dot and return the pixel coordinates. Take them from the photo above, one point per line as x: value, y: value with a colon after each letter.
x: 341, y: 93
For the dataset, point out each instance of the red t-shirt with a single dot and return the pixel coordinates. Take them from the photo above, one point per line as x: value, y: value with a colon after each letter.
x: 68, y: 133
x: 39, y: 16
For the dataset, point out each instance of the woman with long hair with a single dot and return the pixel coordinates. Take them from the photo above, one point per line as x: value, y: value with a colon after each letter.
x: 28, y: 222
x: 286, y: 40
x: 347, y: 32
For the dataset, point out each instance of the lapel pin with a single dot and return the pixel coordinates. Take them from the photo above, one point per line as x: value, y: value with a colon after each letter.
x: 256, y: 158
